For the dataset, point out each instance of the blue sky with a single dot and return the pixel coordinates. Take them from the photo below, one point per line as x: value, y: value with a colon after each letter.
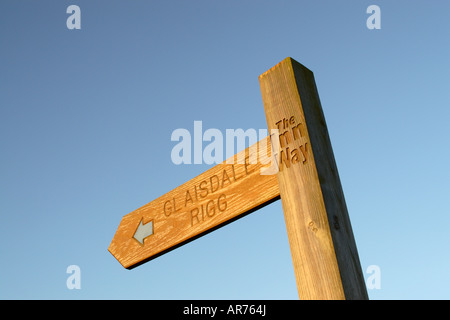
x: 86, y: 118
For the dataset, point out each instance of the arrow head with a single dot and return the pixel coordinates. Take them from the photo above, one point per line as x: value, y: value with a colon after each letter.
x: 143, y: 231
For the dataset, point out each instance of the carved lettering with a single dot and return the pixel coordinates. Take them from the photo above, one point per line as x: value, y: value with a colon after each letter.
x: 246, y: 165
x: 225, y: 177
x: 203, y: 186
x: 290, y: 131
x: 294, y: 156
x: 170, y: 207
x: 216, y: 183
x: 222, y: 202
x: 208, y: 210
x: 304, y: 151
x: 188, y: 198
x: 286, y: 140
x: 297, y: 131
x: 284, y: 159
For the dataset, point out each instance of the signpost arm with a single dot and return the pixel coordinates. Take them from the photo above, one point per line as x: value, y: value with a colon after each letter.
x: 323, y: 248
x: 214, y: 198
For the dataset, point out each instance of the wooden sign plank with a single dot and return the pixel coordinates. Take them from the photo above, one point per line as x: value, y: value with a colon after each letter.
x: 216, y: 197
x: 323, y: 248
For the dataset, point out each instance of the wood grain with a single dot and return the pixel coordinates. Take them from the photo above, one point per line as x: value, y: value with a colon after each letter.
x: 323, y: 248
x: 216, y: 197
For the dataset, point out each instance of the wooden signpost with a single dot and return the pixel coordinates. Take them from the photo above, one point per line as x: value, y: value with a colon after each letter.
x: 323, y: 248
x: 223, y: 193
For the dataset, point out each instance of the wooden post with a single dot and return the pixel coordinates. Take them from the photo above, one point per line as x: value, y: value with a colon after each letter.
x: 323, y: 248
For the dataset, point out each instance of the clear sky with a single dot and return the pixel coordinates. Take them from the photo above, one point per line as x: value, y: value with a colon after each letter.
x: 86, y: 118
